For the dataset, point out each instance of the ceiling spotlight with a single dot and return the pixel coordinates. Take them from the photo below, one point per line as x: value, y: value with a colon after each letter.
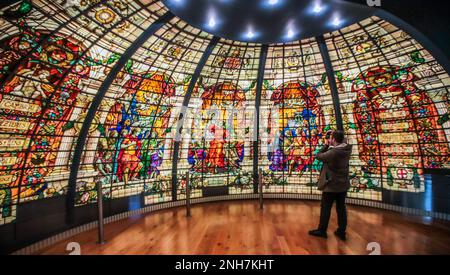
x: 291, y: 30
x: 250, y: 34
x: 271, y: 4
x: 336, y: 21
x: 212, y: 22
x: 178, y: 2
x: 290, y: 33
x: 317, y: 8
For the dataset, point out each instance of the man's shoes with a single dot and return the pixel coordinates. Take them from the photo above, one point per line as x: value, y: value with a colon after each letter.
x: 340, y: 235
x: 318, y: 233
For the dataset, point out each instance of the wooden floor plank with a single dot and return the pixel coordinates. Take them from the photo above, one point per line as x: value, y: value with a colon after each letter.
x: 239, y: 227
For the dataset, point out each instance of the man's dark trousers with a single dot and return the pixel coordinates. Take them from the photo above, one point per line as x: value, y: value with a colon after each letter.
x: 325, y: 210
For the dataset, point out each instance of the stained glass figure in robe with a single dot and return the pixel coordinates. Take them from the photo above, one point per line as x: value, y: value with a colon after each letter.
x: 216, y: 146
x: 389, y: 104
x: 300, y: 123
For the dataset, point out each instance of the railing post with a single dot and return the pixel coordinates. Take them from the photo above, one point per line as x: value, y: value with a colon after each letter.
x: 188, y: 196
x: 101, y: 233
x: 260, y: 187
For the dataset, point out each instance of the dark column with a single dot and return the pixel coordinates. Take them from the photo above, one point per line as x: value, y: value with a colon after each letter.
x: 187, y: 98
x: 331, y: 80
x: 259, y: 85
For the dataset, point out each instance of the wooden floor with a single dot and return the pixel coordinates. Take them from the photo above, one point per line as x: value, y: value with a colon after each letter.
x: 239, y: 227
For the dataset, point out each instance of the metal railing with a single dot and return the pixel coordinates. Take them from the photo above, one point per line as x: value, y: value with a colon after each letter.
x: 101, y: 232
x: 260, y: 188
x: 100, y: 222
x: 188, y: 195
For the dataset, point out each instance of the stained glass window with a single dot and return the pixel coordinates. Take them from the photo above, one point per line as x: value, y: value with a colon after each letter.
x: 296, y: 111
x: 130, y: 152
x: 54, y: 57
x: 217, y: 144
x: 394, y: 99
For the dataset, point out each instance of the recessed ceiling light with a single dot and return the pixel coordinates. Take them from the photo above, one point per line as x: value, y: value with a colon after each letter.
x: 250, y: 34
x: 290, y: 33
x: 178, y: 2
x: 291, y: 30
x: 212, y: 22
x: 317, y: 8
x: 270, y: 4
x: 336, y: 21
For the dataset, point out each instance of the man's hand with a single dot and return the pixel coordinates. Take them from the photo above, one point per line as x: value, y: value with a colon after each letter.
x: 328, y: 137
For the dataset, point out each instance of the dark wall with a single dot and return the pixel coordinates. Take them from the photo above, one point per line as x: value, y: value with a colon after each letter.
x: 431, y: 17
x: 436, y: 197
x: 5, y: 3
x: 40, y: 219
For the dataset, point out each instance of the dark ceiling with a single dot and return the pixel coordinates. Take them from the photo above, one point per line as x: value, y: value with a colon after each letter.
x: 268, y: 21
x: 431, y: 17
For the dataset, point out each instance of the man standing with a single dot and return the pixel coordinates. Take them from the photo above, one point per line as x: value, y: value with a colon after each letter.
x: 334, y: 182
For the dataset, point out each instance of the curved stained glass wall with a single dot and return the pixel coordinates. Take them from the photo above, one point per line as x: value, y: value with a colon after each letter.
x: 217, y: 144
x: 55, y: 55
x: 395, y: 103
x: 297, y: 110
x: 130, y: 150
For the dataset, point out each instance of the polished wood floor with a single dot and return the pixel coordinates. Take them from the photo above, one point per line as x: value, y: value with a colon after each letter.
x: 239, y: 227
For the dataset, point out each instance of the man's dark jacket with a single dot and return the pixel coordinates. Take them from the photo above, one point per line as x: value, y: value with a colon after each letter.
x: 335, y: 172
